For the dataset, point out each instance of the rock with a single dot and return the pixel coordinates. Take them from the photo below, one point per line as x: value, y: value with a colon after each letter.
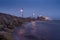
x: 7, y: 25
x: 5, y: 35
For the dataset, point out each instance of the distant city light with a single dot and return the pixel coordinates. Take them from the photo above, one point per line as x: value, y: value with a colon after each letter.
x: 47, y: 18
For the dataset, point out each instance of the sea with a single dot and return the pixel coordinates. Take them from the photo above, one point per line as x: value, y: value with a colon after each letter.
x: 38, y: 30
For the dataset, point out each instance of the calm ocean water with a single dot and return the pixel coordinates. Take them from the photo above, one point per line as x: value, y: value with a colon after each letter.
x: 38, y: 30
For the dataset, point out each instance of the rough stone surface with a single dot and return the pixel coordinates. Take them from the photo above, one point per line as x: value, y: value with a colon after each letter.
x: 7, y: 25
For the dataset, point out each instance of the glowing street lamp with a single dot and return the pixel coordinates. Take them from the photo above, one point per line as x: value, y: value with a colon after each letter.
x: 21, y: 12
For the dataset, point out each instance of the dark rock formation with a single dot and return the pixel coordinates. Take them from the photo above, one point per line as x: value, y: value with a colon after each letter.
x: 7, y: 25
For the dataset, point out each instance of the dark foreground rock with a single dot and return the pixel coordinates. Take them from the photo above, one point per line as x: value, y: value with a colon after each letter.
x: 7, y: 25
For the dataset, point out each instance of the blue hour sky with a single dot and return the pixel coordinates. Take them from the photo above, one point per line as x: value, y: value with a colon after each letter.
x: 49, y: 8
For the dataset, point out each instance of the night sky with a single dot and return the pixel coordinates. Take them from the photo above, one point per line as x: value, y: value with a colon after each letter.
x: 50, y: 8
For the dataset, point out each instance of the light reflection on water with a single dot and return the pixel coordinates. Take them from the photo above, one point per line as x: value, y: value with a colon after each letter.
x: 38, y: 30
x: 33, y: 27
